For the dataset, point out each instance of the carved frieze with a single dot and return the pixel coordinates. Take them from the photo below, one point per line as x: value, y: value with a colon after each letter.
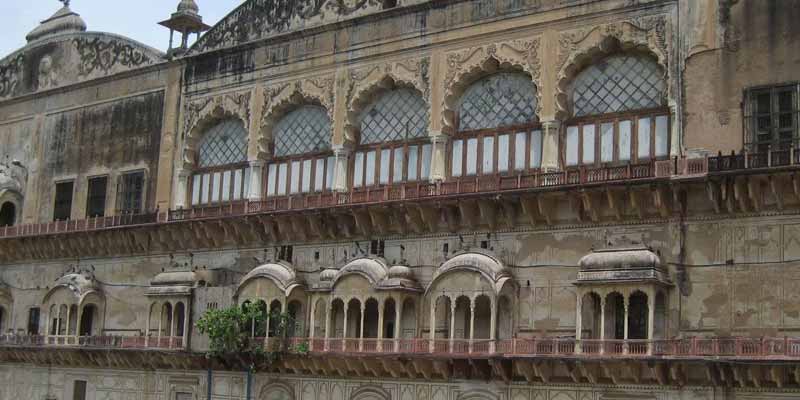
x: 258, y: 19
x: 465, y: 64
x: 205, y: 110
x: 574, y: 46
x: 99, y: 55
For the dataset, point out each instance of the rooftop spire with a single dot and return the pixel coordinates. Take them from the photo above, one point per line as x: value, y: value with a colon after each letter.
x: 186, y: 20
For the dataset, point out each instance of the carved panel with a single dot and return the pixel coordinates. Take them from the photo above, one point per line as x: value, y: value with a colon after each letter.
x: 199, y: 113
x: 101, y: 55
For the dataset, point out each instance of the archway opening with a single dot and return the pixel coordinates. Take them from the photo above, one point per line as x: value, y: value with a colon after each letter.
x: 483, y: 317
x: 442, y: 318
x: 660, y: 329
x: 275, y: 319
x: 87, y: 320
x: 166, y: 320
x: 319, y: 319
x: 408, y: 320
x: 504, y: 318
x: 2, y: 319
x: 590, y: 316
x: 463, y: 317
x: 62, y: 320
x: 371, y: 318
x: 615, y: 316
x: 353, y: 327
x: 337, y: 318
x: 180, y: 318
x: 296, y: 317
x: 261, y: 326
x: 8, y: 214
x: 389, y: 314
x: 72, y: 326
x: 637, y: 316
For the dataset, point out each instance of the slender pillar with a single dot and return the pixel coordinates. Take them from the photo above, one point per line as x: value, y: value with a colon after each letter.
x: 627, y: 300
x: 602, y: 324
x: 438, y: 157
x: 147, y: 327
x: 172, y: 326
x: 185, y: 337
x: 398, y: 312
x: 341, y: 159
x: 381, y: 307
x: 651, y: 301
x: 579, y: 322
x: 313, y: 308
x: 160, y: 327
x: 328, y: 317
x: 181, y: 189
x: 346, y: 321
x: 452, y: 323
x: 256, y: 180
x: 361, y: 328
x: 493, y: 325
x: 69, y: 322
x: 471, y: 323
x: 550, y: 146
x: 433, y: 325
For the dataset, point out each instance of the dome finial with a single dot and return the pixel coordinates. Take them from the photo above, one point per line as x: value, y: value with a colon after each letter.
x: 66, y: 2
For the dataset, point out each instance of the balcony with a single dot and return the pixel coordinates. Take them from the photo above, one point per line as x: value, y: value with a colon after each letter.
x: 93, y: 342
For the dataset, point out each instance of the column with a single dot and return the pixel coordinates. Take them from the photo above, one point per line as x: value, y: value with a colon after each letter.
x: 313, y: 310
x: 627, y: 300
x: 651, y: 301
x: 344, y: 333
x: 185, y: 338
x: 381, y: 306
x: 579, y: 323
x: 493, y: 325
x: 181, y: 187
x: 452, y: 323
x: 67, y: 331
x: 328, y: 316
x: 438, y: 156
x: 433, y: 325
x: 147, y: 328
x: 398, y: 312
x: 256, y: 180
x: 602, y: 324
x: 160, y: 323
x: 361, y: 328
x: 471, y: 323
x: 551, y: 131
x: 341, y: 154
x: 172, y: 326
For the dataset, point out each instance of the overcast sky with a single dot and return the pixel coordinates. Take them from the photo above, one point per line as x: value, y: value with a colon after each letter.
x: 137, y: 19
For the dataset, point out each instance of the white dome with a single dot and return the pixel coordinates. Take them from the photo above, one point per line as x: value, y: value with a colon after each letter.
x: 63, y: 21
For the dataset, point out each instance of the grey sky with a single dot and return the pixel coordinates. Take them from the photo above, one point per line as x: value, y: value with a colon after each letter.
x: 136, y: 19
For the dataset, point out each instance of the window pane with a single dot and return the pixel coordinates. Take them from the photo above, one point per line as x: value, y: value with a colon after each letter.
x: 329, y: 169
x: 370, y: 169
x: 519, y: 151
x: 399, y: 114
x: 283, y: 170
x: 246, y: 182
x: 502, y: 153
x: 295, y: 182
x: 196, y: 182
x: 426, y: 161
x: 536, y: 149
x: 501, y: 99
x: 95, y: 198
x: 226, y: 185
x: 386, y: 157
x: 358, y: 170
x: 397, y: 174
x: 271, y: 177
x: 237, y: 184
x: 644, y: 138
x: 223, y: 144
x: 63, y: 203
x: 215, y: 186
x: 624, y: 148
x: 206, y: 188
x: 458, y: 154
x: 306, y: 176
x: 412, y: 163
x: 607, y: 142
x: 588, y: 144
x: 619, y: 83
x: 662, y: 136
x: 304, y: 130
x: 488, y: 155
x: 572, y: 145
x: 319, y: 175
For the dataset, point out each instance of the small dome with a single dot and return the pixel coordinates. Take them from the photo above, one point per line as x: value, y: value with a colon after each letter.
x: 328, y: 275
x: 63, y: 21
x: 400, y: 272
x: 188, y: 6
x: 611, y: 259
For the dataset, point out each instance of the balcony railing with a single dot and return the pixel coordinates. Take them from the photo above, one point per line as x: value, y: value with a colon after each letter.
x: 99, y: 342
x: 674, y: 167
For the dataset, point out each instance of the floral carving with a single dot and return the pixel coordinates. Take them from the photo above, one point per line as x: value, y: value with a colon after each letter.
x: 103, y: 55
x: 11, y: 75
x: 257, y: 19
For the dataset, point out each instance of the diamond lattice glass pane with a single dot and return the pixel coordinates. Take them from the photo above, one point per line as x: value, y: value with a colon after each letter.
x: 223, y: 144
x: 616, y: 84
x: 397, y: 115
x: 499, y: 100
x: 304, y: 130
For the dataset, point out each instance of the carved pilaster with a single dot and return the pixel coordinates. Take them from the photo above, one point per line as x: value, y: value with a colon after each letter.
x: 551, y: 145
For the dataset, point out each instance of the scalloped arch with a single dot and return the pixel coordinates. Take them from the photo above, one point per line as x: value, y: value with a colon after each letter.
x: 203, y: 114
x: 584, y: 48
x: 370, y: 393
x: 369, y: 90
x: 270, y: 390
x: 282, y: 99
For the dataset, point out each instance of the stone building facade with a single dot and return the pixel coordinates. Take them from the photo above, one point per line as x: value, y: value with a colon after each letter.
x: 455, y: 199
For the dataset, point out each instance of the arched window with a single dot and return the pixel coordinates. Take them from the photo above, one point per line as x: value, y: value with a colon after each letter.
x: 619, y: 110
x: 302, y: 161
x: 498, y: 129
x: 8, y: 214
x: 222, y: 174
x: 394, y: 145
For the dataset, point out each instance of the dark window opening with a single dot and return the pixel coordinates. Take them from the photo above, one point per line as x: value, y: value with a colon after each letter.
x: 772, y: 115
x: 8, y: 214
x: 377, y: 247
x: 130, y: 190
x: 2, y: 314
x: 79, y: 390
x: 96, y: 197
x: 33, y: 321
x: 285, y: 253
x: 87, y: 320
x: 63, y: 204
x: 484, y: 244
x: 389, y: 4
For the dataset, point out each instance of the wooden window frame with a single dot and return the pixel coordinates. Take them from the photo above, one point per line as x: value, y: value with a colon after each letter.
x: 89, y: 194
x: 313, y: 157
x: 751, y: 117
x: 232, y: 168
x: 511, y: 131
x: 616, y: 118
x: 378, y: 149
x: 71, y: 199
x: 120, y: 200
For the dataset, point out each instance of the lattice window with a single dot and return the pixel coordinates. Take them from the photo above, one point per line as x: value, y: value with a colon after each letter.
x: 400, y: 114
x: 502, y: 99
x: 304, y: 130
x: 617, y: 84
x: 223, y: 144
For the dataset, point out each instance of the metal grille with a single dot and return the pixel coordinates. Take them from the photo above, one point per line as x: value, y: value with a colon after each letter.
x: 616, y: 84
x: 304, y: 130
x: 397, y: 115
x: 499, y: 100
x: 223, y: 144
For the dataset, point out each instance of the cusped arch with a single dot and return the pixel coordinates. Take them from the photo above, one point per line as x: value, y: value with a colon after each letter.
x: 281, y: 99
x: 11, y: 195
x: 78, y: 285
x: 277, y: 391
x: 467, y: 66
x: 372, y: 268
x: 371, y: 88
x: 281, y: 273
x: 370, y: 392
x: 204, y: 115
x: 602, y: 42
